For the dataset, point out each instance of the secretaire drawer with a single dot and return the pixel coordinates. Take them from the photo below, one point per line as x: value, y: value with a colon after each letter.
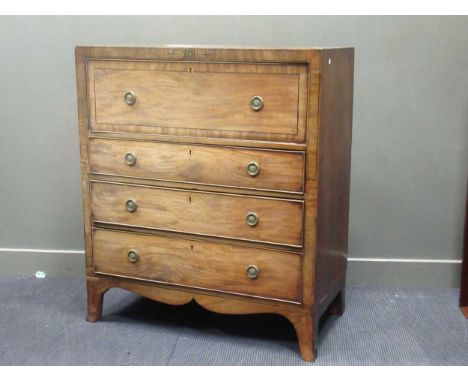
x: 201, y: 99
x: 223, y: 166
x: 222, y: 267
x: 259, y: 219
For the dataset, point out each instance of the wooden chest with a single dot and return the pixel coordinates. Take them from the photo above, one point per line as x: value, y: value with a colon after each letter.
x: 218, y: 175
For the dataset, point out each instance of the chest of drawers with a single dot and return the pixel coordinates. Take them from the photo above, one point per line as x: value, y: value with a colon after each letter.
x: 218, y: 175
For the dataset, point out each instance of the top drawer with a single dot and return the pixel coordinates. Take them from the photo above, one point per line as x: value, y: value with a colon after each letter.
x: 246, y: 101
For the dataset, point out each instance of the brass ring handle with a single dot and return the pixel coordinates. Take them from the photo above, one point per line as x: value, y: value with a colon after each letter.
x: 251, y: 219
x: 130, y: 98
x: 130, y: 159
x: 132, y: 256
x: 256, y: 103
x: 253, y: 169
x: 131, y: 205
x: 252, y: 272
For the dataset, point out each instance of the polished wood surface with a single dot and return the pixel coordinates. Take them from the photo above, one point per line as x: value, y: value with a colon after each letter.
x: 203, y: 213
x: 464, y: 276
x: 190, y: 183
x: 196, y: 98
x: 198, y: 264
x: 301, y: 319
x: 95, y: 300
x: 211, y: 141
x: 335, y: 118
x: 221, y: 166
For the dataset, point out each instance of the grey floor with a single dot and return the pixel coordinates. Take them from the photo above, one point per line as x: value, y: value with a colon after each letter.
x: 42, y: 322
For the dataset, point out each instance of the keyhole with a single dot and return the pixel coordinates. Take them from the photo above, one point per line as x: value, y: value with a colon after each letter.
x: 190, y: 152
x: 190, y: 69
x: 191, y: 247
x: 190, y: 199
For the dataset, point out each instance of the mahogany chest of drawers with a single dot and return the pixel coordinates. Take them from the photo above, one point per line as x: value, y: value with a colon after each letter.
x: 218, y: 175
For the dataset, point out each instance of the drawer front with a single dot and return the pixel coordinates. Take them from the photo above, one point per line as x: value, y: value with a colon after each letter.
x: 257, y: 219
x: 273, y: 274
x: 198, y: 98
x: 244, y: 168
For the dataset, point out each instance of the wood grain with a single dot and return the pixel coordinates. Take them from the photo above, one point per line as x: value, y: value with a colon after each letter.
x: 198, y: 98
x: 196, y: 201
x: 194, y: 186
x: 95, y: 299
x: 225, y: 166
x: 335, y: 119
x: 201, y: 213
x: 83, y: 123
x: 306, y: 328
x: 217, y: 141
x: 197, y: 264
x: 311, y: 182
